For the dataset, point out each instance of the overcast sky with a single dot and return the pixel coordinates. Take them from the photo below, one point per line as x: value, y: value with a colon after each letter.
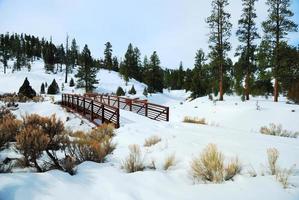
x: 173, y: 28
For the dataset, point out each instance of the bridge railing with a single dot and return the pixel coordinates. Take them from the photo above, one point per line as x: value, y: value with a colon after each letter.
x: 141, y: 107
x: 97, y: 112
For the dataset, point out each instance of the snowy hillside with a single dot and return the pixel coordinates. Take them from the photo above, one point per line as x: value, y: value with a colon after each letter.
x: 232, y: 125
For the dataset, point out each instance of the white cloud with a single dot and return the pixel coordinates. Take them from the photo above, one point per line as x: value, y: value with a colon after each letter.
x: 174, y: 28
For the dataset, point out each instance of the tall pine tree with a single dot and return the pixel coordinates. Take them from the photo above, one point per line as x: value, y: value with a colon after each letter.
x: 86, y: 72
x: 108, y: 56
x: 277, y: 26
x: 247, y: 33
x: 220, y: 32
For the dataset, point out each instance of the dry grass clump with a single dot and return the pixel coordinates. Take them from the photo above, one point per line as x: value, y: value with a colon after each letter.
x: 31, y: 142
x: 9, y: 128
x: 152, y: 141
x: 134, y: 161
x: 277, y: 130
x: 194, y: 120
x: 273, y: 155
x: 209, y: 166
x: 169, y: 162
x: 92, y: 146
x: 281, y: 175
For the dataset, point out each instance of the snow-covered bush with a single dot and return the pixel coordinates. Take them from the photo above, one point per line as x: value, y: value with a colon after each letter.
x: 93, y: 146
x: 134, y: 161
x: 152, y: 141
x: 277, y: 130
x: 194, y: 120
x: 210, y: 167
x: 169, y: 162
x: 283, y: 176
x: 273, y: 155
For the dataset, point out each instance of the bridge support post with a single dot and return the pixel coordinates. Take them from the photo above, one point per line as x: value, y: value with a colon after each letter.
x: 167, y: 115
x: 91, y: 114
x: 77, y: 104
x: 146, y: 110
x: 84, y: 112
x: 103, y: 114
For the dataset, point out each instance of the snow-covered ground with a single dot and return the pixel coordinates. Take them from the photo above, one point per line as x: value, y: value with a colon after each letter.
x: 232, y: 125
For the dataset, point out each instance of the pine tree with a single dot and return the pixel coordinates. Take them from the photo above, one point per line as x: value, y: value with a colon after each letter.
x: 120, y: 92
x: 72, y: 83
x: 220, y: 32
x: 53, y: 88
x: 181, y: 75
x: 26, y: 90
x: 67, y: 59
x: 154, y: 74
x: 73, y: 54
x: 108, y: 56
x: 277, y: 26
x: 145, y: 92
x: 247, y: 33
x: 132, y: 91
x: 115, y: 64
x: 60, y: 56
x: 42, y: 89
x: 87, y: 72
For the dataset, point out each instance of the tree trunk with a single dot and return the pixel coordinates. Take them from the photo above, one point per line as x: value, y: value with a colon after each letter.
x: 221, y: 83
x: 247, y: 86
x: 276, y: 90
x: 55, y: 161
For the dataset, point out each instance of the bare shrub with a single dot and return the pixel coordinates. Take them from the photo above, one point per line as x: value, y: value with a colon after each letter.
x: 9, y: 128
x: 134, y: 162
x: 195, y: 120
x: 93, y: 146
x: 277, y: 130
x: 273, y: 155
x: 152, y: 141
x: 252, y: 172
x: 169, y: 162
x: 69, y: 165
x: 283, y: 176
x: 31, y: 142
x: 209, y: 166
x: 232, y: 169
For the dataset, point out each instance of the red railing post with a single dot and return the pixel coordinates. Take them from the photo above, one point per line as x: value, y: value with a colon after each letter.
x: 108, y: 100
x: 84, y: 112
x: 72, y: 101
x: 77, y: 103
x: 130, y: 102
x: 118, y: 101
x: 146, y: 110
x: 103, y: 114
x: 91, y: 115
x: 167, y: 114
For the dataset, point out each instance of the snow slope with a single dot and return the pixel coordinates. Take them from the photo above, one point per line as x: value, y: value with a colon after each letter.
x: 232, y: 125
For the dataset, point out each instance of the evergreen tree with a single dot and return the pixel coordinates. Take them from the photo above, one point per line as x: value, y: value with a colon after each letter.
x: 132, y: 91
x: 108, y: 56
x: 53, y: 88
x: 220, y: 32
x: 67, y: 59
x: 60, y: 56
x: 145, y: 92
x: 86, y: 73
x: 181, y: 75
x: 115, y: 64
x: 42, y: 89
x: 247, y: 33
x: 154, y: 74
x: 120, y: 92
x: 72, y: 83
x: 277, y: 26
x: 26, y: 90
x: 73, y: 54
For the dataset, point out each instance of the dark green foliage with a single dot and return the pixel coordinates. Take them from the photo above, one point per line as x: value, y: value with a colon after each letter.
x: 132, y: 91
x: 26, y: 90
x: 145, y: 92
x: 72, y: 83
x: 108, y: 56
x: 276, y: 27
x: 53, y: 88
x: 131, y: 65
x: 220, y: 32
x: 247, y: 33
x: 153, y: 74
x: 42, y: 89
x: 115, y: 64
x: 120, y: 92
x: 293, y: 92
x: 87, y: 72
